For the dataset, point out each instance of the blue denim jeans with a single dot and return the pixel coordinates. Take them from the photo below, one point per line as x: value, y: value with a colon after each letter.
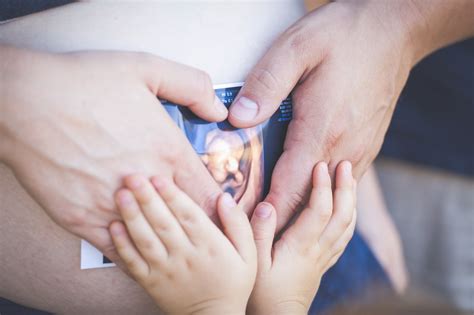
x: 354, y: 274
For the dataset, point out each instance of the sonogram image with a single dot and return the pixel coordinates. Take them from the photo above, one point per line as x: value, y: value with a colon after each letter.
x: 234, y: 157
x: 240, y: 160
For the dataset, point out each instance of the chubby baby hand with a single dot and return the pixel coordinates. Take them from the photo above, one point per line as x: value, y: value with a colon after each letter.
x: 181, y: 258
x: 290, y: 270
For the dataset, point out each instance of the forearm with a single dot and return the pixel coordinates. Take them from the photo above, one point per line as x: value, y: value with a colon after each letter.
x: 424, y: 26
x: 16, y: 67
x: 7, y: 58
x: 440, y: 23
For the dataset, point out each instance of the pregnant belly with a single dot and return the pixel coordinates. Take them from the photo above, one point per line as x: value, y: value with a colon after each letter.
x: 39, y: 261
x: 223, y: 38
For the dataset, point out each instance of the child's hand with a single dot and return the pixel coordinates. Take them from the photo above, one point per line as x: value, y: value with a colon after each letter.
x: 178, y: 255
x: 289, y: 272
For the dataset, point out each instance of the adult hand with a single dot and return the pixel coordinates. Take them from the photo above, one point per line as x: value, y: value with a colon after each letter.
x: 346, y: 64
x: 72, y: 125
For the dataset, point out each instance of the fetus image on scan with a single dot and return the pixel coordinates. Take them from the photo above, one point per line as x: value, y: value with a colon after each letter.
x: 234, y: 157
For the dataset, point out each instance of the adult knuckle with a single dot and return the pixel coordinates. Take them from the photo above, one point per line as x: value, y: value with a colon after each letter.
x: 301, y: 135
x: 297, y: 38
x: 333, y: 136
x: 131, y: 265
x: 74, y: 217
x: 300, y: 196
x: 265, y: 79
x: 294, y: 200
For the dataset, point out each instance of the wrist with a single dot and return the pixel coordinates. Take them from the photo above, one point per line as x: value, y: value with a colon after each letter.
x: 414, y: 23
x: 390, y: 24
x: 420, y: 27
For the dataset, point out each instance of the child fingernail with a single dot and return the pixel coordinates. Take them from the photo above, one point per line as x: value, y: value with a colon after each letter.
x: 323, y: 166
x: 347, y: 166
x: 263, y: 211
x: 227, y: 201
x: 124, y: 198
x: 134, y: 182
x: 116, y: 229
x: 157, y: 182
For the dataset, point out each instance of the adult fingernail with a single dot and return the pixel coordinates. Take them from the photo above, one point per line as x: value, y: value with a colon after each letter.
x: 228, y: 202
x: 220, y: 107
x: 244, y: 109
x: 263, y: 211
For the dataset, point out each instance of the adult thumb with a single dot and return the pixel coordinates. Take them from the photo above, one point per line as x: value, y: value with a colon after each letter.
x: 267, y: 85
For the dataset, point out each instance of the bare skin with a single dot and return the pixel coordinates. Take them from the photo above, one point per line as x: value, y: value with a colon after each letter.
x: 345, y: 63
x: 48, y: 254
x: 103, y: 121
x: 179, y: 256
x: 45, y: 272
x: 39, y: 264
